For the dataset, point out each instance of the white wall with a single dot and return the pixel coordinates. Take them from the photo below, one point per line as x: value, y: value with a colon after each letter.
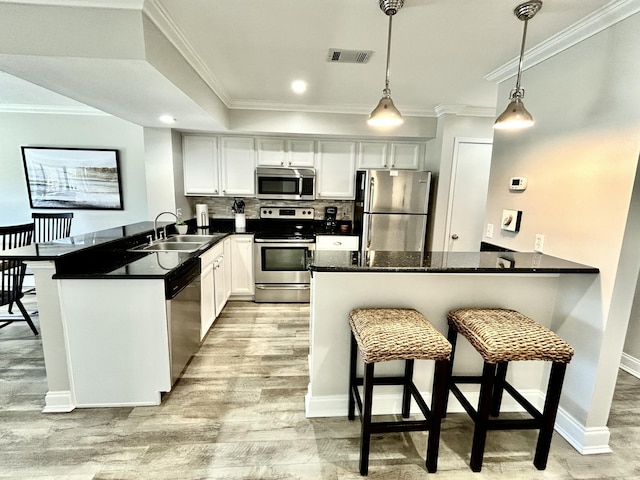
x: 580, y: 159
x: 20, y: 129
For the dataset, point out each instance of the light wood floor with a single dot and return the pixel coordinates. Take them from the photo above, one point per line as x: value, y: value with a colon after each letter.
x: 238, y: 413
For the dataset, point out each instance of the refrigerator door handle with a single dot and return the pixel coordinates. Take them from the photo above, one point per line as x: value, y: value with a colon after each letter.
x: 372, y: 185
x: 367, y: 219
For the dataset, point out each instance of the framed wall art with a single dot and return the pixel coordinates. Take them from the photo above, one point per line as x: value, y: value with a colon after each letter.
x: 73, y: 178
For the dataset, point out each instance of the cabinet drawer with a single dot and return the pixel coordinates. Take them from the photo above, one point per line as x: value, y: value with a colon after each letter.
x: 336, y: 242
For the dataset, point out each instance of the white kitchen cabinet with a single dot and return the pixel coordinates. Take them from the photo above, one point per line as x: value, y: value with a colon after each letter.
x: 200, y: 158
x: 242, y: 283
x: 373, y: 154
x: 207, y: 293
x: 227, y: 268
x: 237, y: 166
x: 405, y: 155
x: 336, y: 242
x: 380, y: 155
x: 219, y: 280
x: 282, y: 152
x: 336, y: 170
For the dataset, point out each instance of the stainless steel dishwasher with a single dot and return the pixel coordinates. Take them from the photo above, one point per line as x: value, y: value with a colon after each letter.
x: 182, y: 291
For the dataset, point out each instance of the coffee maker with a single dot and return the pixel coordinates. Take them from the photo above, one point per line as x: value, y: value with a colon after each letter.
x: 330, y: 215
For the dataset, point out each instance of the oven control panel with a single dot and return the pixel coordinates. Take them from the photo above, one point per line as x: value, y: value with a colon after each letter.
x: 293, y: 213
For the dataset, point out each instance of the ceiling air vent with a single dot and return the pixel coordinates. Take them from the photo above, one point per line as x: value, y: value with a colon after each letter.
x: 340, y: 55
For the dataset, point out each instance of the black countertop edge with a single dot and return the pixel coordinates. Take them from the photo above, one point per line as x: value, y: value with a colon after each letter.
x: 444, y: 262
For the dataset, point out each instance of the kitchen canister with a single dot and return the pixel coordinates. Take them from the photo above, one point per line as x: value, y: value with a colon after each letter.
x: 202, y: 215
x: 241, y: 222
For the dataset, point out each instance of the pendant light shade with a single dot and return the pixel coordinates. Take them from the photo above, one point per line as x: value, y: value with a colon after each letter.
x: 386, y: 114
x: 516, y: 115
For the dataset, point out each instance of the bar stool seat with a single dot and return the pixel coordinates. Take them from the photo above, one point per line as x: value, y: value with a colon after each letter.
x: 501, y: 336
x: 383, y: 334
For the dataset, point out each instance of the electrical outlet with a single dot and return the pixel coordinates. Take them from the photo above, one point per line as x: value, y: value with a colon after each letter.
x: 489, y: 233
x: 178, y: 212
x: 539, y: 246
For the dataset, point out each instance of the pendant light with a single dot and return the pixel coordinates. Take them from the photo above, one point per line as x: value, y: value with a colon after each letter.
x: 386, y: 114
x: 516, y: 116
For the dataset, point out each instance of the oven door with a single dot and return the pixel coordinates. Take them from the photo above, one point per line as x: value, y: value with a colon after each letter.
x: 281, y: 271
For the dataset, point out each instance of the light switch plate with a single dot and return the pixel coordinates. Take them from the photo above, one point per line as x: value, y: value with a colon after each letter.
x: 489, y: 233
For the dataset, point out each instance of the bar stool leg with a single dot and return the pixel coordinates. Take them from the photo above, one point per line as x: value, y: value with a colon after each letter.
x: 551, y: 403
x: 484, y: 408
x: 452, y: 336
x: 498, y: 389
x: 352, y: 377
x: 439, y: 394
x: 365, y: 437
x: 406, y: 390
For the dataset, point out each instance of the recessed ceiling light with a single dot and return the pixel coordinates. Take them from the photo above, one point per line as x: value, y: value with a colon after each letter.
x: 299, y: 86
x: 167, y: 119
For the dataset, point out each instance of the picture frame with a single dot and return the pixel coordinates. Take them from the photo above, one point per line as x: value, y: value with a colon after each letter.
x: 511, y: 220
x: 73, y: 178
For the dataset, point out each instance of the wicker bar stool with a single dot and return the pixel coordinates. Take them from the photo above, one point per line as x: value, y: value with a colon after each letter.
x: 382, y: 334
x: 501, y: 336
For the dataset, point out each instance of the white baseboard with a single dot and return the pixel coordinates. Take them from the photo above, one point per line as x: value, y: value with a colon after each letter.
x: 58, y: 402
x: 587, y: 441
x: 630, y: 365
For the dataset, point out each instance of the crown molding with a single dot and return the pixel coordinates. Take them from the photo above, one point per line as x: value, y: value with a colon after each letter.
x: 465, y: 110
x: 113, y: 4
x: 601, y: 19
x: 51, y: 109
x: 161, y: 19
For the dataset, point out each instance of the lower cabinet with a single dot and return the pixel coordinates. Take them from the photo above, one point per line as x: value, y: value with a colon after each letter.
x: 209, y: 302
x: 242, y: 282
x: 337, y: 242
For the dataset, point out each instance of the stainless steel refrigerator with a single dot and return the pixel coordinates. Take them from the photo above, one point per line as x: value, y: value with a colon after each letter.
x: 390, y: 210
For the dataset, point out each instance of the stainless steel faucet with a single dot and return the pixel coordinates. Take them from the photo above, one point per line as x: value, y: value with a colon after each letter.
x: 164, y: 229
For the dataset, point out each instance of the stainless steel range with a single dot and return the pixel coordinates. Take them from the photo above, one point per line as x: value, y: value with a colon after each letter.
x: 282, y: 245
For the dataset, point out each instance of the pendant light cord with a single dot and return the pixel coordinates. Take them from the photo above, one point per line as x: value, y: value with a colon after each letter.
x: 524, y: 38
x: 387, y: 92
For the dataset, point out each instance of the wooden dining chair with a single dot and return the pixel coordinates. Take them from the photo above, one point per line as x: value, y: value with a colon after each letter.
x: 51, y: 226
x: 12, y: 272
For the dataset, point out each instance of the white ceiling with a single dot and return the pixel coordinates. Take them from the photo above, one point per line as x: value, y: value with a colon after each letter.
x: 247, y: 52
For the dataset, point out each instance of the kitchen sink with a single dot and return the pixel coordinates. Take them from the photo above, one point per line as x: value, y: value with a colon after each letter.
x: 178, y: 243
x: 174, y: 246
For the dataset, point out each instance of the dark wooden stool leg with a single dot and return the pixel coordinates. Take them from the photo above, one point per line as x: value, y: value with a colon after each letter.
x: 452, y: 336
x: 498, y: 388
x: 406, y: 390
x: 438, y: 396
x: 551, y: 403
x: 481, y: 421
x: 365, y: 436
x: 352, y: 377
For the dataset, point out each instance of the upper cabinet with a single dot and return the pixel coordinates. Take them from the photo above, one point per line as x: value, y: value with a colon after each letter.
x: 200, y: 165
x: 336, y: 170
x: 218, y: 166
x: 284, y: 152
x: 399, y: 155
x: 237, y: 166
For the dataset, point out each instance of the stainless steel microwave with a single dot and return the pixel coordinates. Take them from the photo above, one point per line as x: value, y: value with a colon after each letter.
x: 284, y: 183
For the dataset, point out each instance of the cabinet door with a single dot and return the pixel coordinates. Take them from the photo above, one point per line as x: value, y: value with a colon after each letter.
x: 242, y: 265
x: 373, y: 155
x: 336, y: 170
x: 272, y: 152
x: 301, y: 153
x: 237, y: 166
x: 218, y: 274
x: 207, y: 295
x: 200, y: 165
x: 405, y: 155
x: 227, y: 268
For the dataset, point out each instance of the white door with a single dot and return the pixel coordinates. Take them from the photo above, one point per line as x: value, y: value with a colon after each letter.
x: 469, y: 184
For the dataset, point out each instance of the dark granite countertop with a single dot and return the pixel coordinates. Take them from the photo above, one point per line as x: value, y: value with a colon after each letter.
x: 443, y: 262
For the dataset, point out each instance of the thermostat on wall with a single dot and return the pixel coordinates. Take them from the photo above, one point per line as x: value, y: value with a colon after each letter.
x: 518, y: 184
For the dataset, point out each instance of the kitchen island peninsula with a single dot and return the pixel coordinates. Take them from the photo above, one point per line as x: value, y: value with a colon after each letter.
x: 543, y: 287
x: 118, y: 322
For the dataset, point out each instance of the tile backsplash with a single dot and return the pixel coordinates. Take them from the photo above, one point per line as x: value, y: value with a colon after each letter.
x: 220, y: 207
